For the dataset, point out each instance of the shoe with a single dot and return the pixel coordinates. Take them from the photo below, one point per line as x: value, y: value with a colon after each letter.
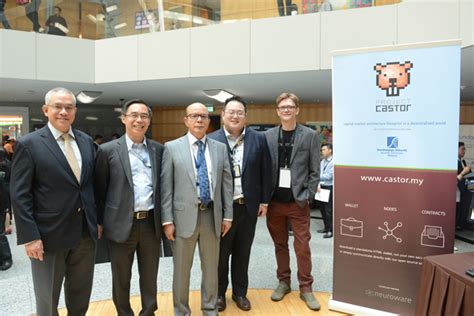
x: 310, y: 301
x: 221, y: 305
x: 41, y: 29
x: 322, y: 231
x: 328, y: 235
x: 6, y: 265
x: 280, y: 292
x: 242, y: 302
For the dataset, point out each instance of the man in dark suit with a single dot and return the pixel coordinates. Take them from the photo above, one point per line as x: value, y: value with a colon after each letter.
x: 465, y: 196
x: 128, y: 197
x: 250, y: 163
x: 295, y: 163
x: 196, y: 207
x: 52, y: 194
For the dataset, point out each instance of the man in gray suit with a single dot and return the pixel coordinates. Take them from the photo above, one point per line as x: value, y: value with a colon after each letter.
x: 196, y: 204
x: 128, y: 197
x: 294, y: 150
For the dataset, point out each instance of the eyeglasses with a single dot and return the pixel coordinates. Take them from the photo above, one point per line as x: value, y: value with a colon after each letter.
x: 196, y: 116
x: 135, y: 116
x: 286, y: 108
x: 238, y: 113
x: 59, y: 108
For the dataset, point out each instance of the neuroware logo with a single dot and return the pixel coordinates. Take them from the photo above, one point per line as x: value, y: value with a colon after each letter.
x: 392, y: 148
x: 392, y: 142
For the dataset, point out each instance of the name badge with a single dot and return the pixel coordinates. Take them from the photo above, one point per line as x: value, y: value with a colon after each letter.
x: 285, y: 178
x: 237, y: 171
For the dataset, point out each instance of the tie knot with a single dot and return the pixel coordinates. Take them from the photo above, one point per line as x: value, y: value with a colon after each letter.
x: 199, y: 144
x: 66, y: 136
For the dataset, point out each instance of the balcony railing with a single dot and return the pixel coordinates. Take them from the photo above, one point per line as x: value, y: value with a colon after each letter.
x: 98, y: 19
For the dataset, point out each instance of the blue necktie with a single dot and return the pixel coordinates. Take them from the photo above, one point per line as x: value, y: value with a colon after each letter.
x: 203, y: 179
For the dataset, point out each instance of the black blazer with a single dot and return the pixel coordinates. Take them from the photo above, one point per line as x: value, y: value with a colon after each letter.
x: 48, y: 202
x: 114, y: 187
x: 256, y: 167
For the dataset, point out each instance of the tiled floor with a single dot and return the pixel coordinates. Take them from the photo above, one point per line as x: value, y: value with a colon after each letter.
x: 17, y: 296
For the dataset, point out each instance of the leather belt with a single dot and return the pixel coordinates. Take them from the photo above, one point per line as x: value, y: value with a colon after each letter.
x: 142, y: 214
x: 203, y: 207
x: 240, y: 201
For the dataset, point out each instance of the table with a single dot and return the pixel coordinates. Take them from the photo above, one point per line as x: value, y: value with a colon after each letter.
x: 445, y: 288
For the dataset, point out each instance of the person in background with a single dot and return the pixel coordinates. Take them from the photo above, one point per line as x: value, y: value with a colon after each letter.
x: 3, y: 18
x: 281, y: 7
x: 98, y: 140
x: 465, y: 196
x: 31, y: 11
x: 10, y: 147
x: 326, y: 182
x: 5, y: 252
x: 56, y: 23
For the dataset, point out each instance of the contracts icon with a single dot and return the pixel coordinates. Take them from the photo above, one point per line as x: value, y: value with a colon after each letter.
x: 389, y: 232
x: 352, y: 227
x: 432, y: 236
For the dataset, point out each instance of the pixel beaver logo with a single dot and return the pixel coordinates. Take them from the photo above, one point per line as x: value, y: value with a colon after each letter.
x: 393, y: 77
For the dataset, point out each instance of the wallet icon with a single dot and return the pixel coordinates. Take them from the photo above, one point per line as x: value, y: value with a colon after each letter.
x: 432, y: 236
x: 352, y: 227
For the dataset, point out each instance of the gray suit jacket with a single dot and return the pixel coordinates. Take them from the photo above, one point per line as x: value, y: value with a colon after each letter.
x: 114, y: 187
x: 304, y: 162
x: 179, y: 199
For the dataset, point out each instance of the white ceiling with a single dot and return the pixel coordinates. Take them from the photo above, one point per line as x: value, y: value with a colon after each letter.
x: 310, y: 86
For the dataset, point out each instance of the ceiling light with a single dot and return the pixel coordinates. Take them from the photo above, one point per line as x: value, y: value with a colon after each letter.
x: 119, y: 26
x: 88, y: 96
x: 218, y: 94
x: 118, y: 110
x: 91, y: 118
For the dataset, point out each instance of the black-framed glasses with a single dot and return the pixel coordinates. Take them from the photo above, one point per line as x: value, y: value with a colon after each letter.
x: 135, y: 116
x: 196, y: 116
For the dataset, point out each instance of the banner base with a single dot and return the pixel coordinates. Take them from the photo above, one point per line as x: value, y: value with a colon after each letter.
x: 355, y: 309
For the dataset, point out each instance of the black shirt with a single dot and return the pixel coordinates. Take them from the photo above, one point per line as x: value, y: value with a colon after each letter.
x: 285, y: 148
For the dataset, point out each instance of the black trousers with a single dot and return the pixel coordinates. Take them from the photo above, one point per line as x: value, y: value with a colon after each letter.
x: 463, y: 208
x: 326, y: 209
x: 144, y: 242
x: 33, y: 16
x: 5, y: 252
x: 281, y: 7
x: 238, y: 243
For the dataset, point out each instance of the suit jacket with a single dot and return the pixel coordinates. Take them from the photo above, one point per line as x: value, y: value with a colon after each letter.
x: 179, y: 199
x: 114, y: 187
x: 462, y: 183
x: 256, y: 167
x: 47, y: 199
x: 304, y: 162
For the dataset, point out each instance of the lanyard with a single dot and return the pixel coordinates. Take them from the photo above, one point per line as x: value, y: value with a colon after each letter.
x: 286, y: 146
x: 142, y: 159
x: 326, y: 165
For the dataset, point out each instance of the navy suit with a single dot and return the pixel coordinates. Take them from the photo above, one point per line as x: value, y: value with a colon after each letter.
x: 50, y: 204
x: 256, y: 187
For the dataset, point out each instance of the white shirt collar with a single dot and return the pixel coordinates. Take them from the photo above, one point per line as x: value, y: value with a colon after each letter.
x: 57, y: 134
x: 130, y: 142
x: 192, y: 139
x: 228, y: 135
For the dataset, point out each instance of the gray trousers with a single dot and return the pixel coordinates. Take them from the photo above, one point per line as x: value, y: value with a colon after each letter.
x: 73, y: 266
x: 144, y: 242
x: 183, y: 255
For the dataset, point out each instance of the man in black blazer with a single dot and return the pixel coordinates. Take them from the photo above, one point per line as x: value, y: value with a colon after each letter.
x: 251, y: 170
x: 465, y: 196
x: 128, y: 198
x: 53, y: 200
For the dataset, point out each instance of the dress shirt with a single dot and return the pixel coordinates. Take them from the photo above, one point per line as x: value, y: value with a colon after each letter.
x: 327, y: 171
x: 58, y: 137
x: 194, y: 150
x: 237, y: 146
x: 140, y: 165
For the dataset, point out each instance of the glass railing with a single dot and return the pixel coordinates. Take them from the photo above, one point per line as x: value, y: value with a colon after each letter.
x: 98, y: 19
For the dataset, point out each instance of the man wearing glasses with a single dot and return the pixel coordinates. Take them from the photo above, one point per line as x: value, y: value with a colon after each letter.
x: 127, y: 178
x: 52, y: 193
x: 251, y: 171
x: 294, y: 151
x: 196, y: 200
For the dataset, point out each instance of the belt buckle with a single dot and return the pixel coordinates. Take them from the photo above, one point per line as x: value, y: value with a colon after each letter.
x: 141, y: 215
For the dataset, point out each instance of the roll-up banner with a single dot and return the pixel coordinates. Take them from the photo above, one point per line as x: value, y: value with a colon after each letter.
x: 396, y: 127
